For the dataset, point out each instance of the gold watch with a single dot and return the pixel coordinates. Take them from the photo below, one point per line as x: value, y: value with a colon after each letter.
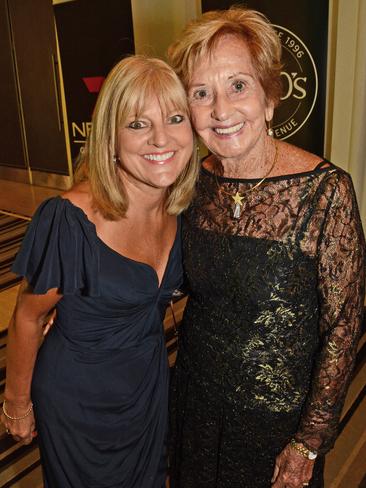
x: 304, y: 451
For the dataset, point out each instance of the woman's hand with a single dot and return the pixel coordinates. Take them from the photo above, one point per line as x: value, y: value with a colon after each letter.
x: 22, y: 429
x: 292, y: 470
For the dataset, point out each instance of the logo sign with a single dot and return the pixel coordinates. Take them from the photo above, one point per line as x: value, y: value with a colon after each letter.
x: 81, y: 130
x: 92, y: 40
x: 300, y: 85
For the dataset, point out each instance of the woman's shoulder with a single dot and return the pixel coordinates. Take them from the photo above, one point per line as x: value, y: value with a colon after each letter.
x: 74, y: 204
x: 81, y: 199
x: 293, y: 159
x: 60, y: 247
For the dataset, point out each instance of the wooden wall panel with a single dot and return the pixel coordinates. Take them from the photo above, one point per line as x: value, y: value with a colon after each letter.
x: 35, y: 55
x: 12, y: 151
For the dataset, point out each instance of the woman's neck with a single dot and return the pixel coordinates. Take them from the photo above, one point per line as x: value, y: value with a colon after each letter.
x: 145, y: 201
x: 256, y: 164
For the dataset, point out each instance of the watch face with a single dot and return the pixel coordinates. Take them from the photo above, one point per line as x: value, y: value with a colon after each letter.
x: 312, y: 455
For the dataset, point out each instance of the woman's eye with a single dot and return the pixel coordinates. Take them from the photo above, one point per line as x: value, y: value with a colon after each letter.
x: 176, y: 119
x: 200, y: 94
x: 239, y: 86
x: 137, y: 124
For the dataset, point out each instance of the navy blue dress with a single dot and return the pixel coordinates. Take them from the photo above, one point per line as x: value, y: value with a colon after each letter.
x: 100, y: 384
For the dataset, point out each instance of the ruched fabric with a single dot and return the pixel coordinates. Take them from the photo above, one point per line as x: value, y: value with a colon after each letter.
x: 100, y: 384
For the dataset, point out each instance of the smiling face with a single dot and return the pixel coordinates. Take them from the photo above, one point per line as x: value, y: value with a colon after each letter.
x: 154, y: 146
x: 228, y: 104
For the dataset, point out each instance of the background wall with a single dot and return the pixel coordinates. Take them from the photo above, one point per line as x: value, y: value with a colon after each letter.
x: 157, y: 22
x: 346, y: 111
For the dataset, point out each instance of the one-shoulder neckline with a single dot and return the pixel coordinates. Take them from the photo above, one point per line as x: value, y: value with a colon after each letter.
x: 122, y: 256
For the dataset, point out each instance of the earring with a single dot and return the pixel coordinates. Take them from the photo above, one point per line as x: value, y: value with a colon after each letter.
x: 270, y: 131
x: 116, y: 159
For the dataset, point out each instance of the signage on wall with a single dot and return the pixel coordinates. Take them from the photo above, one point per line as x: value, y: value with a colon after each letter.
x: 92, y: 39
x: 79, y: 132
x: 300, y: 85
x: 300, y: 117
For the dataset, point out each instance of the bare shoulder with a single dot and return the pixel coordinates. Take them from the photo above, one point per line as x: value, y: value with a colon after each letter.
x: 293, y: 159
x: 80, y: 196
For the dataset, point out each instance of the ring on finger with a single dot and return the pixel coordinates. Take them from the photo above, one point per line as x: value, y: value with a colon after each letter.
x: 305, y: 484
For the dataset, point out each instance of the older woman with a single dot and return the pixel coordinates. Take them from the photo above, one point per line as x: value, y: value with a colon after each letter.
x: 107, y: 255
x: 273, y: 250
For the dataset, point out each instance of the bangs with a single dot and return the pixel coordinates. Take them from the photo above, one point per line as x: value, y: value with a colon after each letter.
x: 131, y: 87
x: 159, y: 85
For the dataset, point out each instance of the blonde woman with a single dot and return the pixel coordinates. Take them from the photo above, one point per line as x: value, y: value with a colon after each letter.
x: 107, y: 255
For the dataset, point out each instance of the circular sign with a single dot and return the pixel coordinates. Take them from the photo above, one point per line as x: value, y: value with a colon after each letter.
x: 300, y: 85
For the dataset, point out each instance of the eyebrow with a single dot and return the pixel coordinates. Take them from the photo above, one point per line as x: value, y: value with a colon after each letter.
x: 234, y: 75
x: 196, y: 85
x: 230, y: 77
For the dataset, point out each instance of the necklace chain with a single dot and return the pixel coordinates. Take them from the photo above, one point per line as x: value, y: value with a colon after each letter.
x: 238, y: 197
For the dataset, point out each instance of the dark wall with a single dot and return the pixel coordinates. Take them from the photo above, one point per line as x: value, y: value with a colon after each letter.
x: 12, y: 150
x: 36, y: 59
x: 93, y: 36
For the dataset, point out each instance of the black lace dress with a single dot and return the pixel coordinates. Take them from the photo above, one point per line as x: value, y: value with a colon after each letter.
x: 270, y: 331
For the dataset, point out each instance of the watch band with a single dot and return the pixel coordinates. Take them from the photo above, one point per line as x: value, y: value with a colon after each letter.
x: 304, y: 451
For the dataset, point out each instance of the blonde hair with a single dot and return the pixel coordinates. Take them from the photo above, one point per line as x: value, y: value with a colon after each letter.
x: 130, y: 83
x: 200, y: 37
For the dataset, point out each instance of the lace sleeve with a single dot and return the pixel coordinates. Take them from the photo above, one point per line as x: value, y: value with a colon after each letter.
x: 341, y: 286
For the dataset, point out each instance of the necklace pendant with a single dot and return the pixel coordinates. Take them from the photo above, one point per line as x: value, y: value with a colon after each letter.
x: 237, y: 210
x: 237, y: 205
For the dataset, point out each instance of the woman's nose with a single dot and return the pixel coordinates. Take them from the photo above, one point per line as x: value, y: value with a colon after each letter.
x: 158, y: 136
x: 222, y: 108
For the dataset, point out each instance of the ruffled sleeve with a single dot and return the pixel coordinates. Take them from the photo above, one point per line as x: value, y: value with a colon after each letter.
x: 60, y: 250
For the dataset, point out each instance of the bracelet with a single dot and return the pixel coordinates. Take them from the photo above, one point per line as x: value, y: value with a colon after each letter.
x: 304, y: 451
x: 17, y: 418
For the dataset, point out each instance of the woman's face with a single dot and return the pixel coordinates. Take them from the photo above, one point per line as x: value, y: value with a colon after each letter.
x: 154, y: 147
x: 228, y: 104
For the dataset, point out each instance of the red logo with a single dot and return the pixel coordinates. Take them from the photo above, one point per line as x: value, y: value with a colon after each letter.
x: 93, y: 83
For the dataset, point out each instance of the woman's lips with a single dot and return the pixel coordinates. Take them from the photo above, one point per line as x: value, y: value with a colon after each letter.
x: 228, y: 131
x: 159, y: 158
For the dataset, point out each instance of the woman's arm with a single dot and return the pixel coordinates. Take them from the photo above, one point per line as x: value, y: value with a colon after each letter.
x: 341, y: 290
x: 24, y: 338
x: 341, y: 287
